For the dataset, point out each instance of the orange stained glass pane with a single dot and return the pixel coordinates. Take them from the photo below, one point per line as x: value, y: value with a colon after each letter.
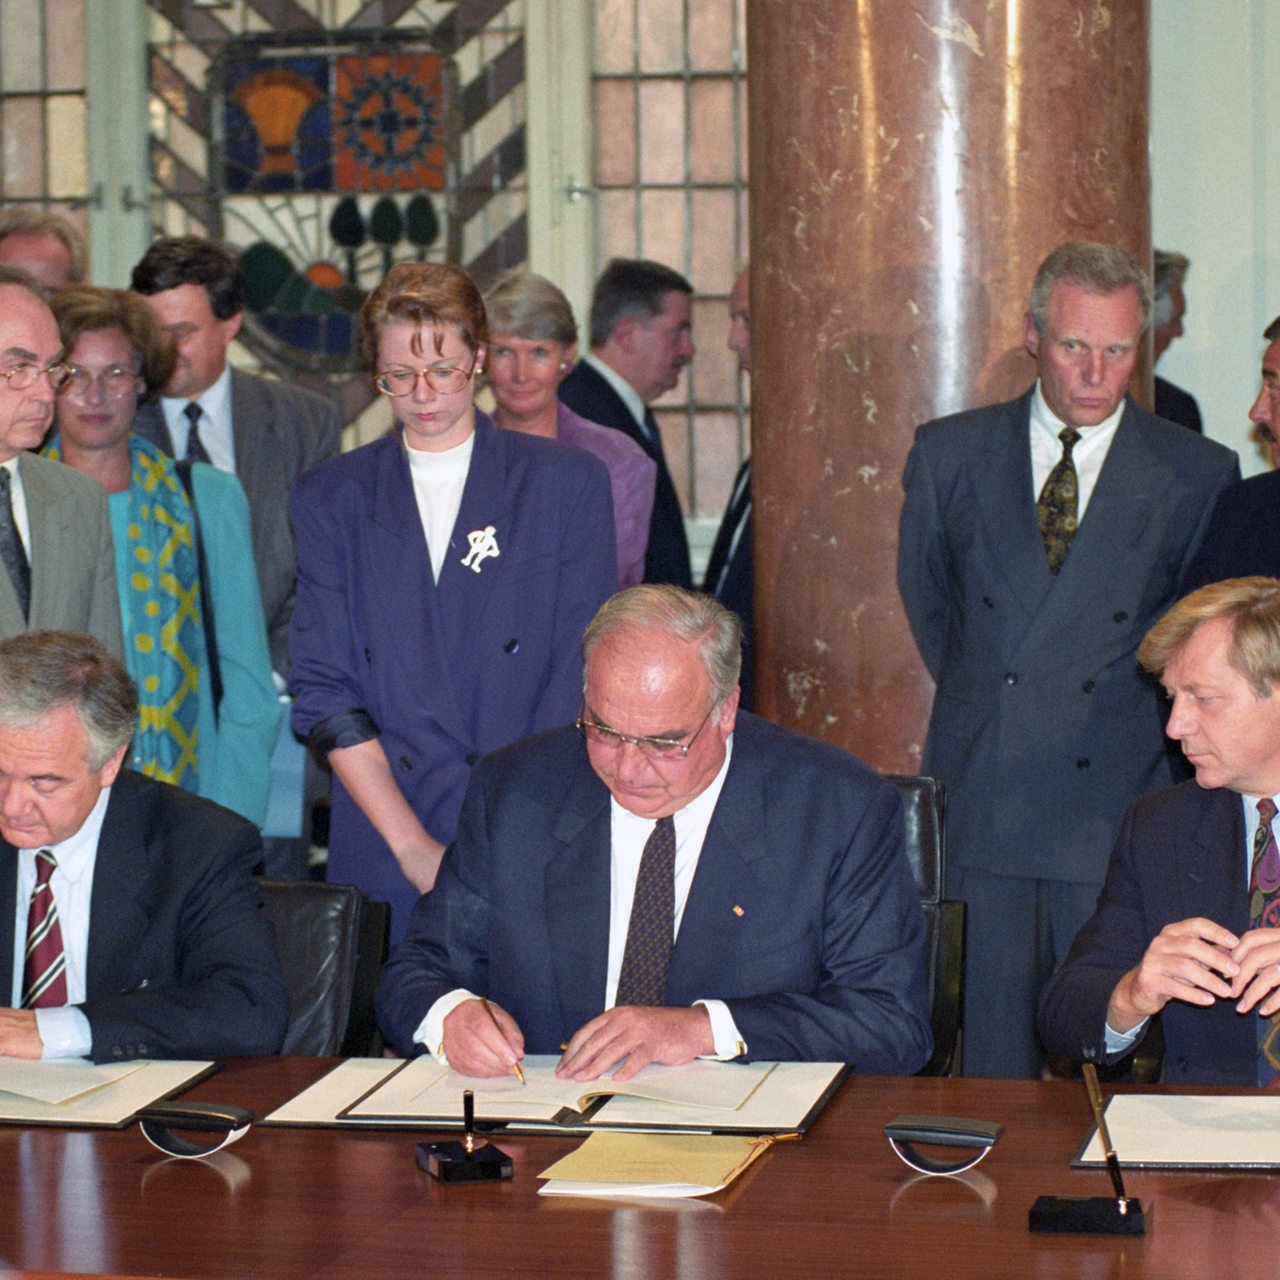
x: 674, y: 426
x: 68, y: 166
x: 715, y: 369
x: 21, y: 64
x: 64, y: 48
x: 661, y: 35
x: 711, y: 119
x: 713, y: 250
x: 615, y: 132
x: 22, y: 145
x: 615, y: 35
x: 662, y: 231
x: 616, y: 225
x: 662, y: 131
x: 711, y: 35
x: 717, y: 455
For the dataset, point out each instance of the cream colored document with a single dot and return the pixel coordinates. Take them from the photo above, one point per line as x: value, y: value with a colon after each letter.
x: 76, y: 1092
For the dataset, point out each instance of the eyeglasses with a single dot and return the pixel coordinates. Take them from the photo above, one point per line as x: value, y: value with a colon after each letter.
x: 444, y: 380
x: 116, y: 382
x: 22, y: 376
x: 601, y: 735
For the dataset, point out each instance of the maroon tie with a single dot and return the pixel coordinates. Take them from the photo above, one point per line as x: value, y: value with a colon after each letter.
x: 649, y: 934
x: 44, y: 978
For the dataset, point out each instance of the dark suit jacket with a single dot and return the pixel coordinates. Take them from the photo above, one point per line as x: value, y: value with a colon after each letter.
x: 1176, y: 405
x: 1243, y: 537
x: 803, y: 915
x: 729, y: 576
x: 1181, y: 853
x: 73, y: 567
x: 444, y: 671
x: 1044, y: 728
x: 279, y: 431
x: 181, y: 961
x: 667, y: 555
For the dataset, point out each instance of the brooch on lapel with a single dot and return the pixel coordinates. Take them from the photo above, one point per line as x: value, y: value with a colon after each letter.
x: 483, y: 545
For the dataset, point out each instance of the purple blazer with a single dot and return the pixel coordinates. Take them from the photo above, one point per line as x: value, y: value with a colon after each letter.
x: 632, y: 477
x: 440, y: 672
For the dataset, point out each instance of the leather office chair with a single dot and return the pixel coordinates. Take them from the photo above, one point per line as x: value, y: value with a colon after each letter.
x: 924, y: 809
x: 332, y: 941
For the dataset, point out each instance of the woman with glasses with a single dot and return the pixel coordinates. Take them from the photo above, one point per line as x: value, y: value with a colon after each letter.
x: 445, y: 575
x: 534, y: 345
x: 194, y: 637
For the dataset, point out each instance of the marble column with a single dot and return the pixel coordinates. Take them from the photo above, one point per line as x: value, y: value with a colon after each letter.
x: 911, y: 165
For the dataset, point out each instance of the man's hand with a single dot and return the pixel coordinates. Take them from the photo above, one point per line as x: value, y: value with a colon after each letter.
x: 1192, y: 960
x: 18, y: 1035
x: 641, y: 1035
x: 1258, y: 955
x: 476, y: 1046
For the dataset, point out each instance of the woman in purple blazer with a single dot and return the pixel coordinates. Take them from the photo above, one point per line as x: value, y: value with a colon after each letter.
x: 445, y: 575
x: 534, y: 344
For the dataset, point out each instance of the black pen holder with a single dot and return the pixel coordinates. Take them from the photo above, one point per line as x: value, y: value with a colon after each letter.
x: 1094, y: 1216
x: 452, y: 1162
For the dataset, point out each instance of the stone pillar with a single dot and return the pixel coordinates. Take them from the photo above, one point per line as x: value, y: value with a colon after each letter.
x: 911, y: 165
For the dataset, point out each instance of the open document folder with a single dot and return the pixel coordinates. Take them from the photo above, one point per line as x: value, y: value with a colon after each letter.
x: 723, y: 1097
x: 76, y: 1092
x: 1183, y: 1131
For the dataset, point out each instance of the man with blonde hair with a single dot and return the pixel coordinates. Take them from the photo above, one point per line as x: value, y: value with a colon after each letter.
x: 1188, y: 924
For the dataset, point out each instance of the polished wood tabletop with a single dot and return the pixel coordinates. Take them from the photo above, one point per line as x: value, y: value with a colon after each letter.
x: 323, y: 1203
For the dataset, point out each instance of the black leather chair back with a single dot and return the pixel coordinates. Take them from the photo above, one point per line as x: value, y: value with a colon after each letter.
x: 924, y: 810
x: 332, y: 941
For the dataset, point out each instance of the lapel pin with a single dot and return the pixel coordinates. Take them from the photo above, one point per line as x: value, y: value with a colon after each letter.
x: 483, y: 545
x: 738, y: 911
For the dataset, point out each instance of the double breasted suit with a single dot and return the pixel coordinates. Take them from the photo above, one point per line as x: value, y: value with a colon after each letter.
x: 278, y: 431
x: 802, y: 916
x: 1044, y: 727
x: 73, y: 574
x: 181, y: 962
x: 1181, y: 853
x: 444, y: 671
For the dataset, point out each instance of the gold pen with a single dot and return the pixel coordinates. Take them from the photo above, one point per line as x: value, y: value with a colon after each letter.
x: 1090, y: 1073
x: 488, y: 1008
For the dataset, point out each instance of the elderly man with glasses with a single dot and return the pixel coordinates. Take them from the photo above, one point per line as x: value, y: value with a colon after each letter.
x: 55, y: 529
x: 668, y: 879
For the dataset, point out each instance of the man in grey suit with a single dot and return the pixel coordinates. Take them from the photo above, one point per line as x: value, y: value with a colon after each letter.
x: 1028, y: 613
x: 55, y: 528
x: 266, y: 432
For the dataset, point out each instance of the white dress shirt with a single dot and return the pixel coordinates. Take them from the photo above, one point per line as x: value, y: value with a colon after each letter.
x: 64, y: 1032
x: 438, y: 482
x: 1089, y: 454
x: 630, y: 396
x: 215, y: 423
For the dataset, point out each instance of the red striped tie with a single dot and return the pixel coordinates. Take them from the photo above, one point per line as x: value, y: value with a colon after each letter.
x: 44, y: 977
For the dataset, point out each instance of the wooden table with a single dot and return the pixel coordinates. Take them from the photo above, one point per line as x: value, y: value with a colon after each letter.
x: 320, y: 1203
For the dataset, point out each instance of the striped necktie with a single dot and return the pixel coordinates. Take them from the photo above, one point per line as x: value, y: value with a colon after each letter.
x: 44, y: 976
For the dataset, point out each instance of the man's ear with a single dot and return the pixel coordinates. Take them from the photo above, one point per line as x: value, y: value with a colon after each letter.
x: 111, y: 770
x: 1031, y: 335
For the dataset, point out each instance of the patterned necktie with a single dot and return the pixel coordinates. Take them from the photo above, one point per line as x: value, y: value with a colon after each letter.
x: 12, y: 551
x: 1264, y: 913
x: 196, y: 451
x: 649, y: 934
x: 1059, y: 503
x: 44, y: 976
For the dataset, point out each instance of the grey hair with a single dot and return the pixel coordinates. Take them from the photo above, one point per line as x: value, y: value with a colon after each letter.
x: 523, y: 304
x: 688, y: 615
x: 25, y: 220
x: 43, y: 670
x: 1097, y: 268
x: 1170, y: 269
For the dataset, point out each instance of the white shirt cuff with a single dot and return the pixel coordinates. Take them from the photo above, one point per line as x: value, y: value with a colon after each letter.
x: 64, y: 1032
x: 431, y: 1029
x: 729, y: 1044
x: 1118, y: 1041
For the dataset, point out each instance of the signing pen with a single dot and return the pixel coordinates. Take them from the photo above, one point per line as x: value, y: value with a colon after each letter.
x: 1113, y: 1162
x: 488, y: 1008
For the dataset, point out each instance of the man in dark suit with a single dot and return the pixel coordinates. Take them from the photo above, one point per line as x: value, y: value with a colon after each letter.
x: 57, y: 565
x: 1243, y: 536
x: 1028, y: 612
x: 774, y: 862
x: 729, y: 576
x: 1188, y: 925
x: 1170, y: 305
x: 265, y: 431
x: 640, y: 341
x: 143, y: 925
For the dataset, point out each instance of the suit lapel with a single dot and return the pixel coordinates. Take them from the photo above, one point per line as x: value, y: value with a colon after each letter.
x: 1210, y: 871
x: 47, y: 519
x: 8, y: 916
x: 252, y: 426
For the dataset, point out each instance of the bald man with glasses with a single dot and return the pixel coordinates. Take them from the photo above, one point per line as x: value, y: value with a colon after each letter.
x: 57, y: 565
x: 667, y: 879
